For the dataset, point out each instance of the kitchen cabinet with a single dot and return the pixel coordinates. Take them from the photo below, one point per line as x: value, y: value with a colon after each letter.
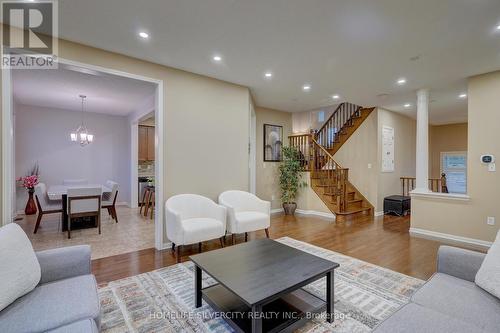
x: 146, y: 143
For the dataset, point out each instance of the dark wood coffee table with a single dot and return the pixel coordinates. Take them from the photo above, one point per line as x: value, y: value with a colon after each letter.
x: 260, y: 285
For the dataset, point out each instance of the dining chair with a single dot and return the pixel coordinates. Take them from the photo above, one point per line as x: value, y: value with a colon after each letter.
x: 84, y: 202
x: 109, y: 199
x: 44, y: 204
x: 149, y: 201
x: 75, y: 182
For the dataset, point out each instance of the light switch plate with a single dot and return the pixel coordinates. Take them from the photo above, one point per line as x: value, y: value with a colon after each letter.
x: 369, y: 165
x: 492, y: 167
x: 490, y: 220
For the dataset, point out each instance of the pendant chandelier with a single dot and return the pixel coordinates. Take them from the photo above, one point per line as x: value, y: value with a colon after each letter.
x: 81, y: 134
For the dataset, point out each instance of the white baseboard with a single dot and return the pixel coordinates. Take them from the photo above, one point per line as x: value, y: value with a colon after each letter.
x: 416, y: 232
x: 315, y: 213
x: 306, y: 213
x: 379, y: 214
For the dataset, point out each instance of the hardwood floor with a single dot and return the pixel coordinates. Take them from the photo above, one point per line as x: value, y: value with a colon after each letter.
x: 382, y: 241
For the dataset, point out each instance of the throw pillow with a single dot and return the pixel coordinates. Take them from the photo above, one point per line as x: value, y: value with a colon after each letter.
x: 488, y: 276
x: 19, y: 268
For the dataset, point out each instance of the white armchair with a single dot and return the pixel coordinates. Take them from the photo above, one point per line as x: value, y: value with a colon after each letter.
x: 245, y: 213
x: 194, y: 219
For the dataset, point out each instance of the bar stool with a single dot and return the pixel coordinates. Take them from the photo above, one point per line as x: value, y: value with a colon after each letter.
x: 148, y: 200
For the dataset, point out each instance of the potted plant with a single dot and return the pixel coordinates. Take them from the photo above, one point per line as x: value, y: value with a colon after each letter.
x: 29, y: 182
x: 290, y: 179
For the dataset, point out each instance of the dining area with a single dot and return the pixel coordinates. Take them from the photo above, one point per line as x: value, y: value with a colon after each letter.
x: 78, y: 202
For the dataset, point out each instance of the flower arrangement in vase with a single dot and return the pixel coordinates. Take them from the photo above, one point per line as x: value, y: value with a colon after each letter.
x: 29, y: 182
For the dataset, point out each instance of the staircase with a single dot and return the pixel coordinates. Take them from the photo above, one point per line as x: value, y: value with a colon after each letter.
x: 329, y: 180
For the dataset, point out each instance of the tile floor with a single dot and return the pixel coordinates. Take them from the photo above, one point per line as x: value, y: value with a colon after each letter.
x: 133, y: 232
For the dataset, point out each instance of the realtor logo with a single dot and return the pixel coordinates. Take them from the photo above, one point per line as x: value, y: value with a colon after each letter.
x: 29, y: 38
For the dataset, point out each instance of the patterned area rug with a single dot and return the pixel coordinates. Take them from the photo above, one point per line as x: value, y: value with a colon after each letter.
x: 163, y: 301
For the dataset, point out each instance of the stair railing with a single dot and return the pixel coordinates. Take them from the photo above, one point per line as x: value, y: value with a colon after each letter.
x: 324, y: 167
x: 343, y: 115
x: 302, y: 142
x: 437, y: 185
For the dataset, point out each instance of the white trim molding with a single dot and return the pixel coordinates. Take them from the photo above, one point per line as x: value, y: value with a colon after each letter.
x: 304, y: 212
x: 439, y: 236
x: 8, y: 140
x: 8, y: 184
x: 377, y: 214
x: 440, y: 196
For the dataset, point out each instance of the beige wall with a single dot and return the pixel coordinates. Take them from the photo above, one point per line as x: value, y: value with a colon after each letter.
x: 357, y: 153
x: 445, y: 138
x: 389, y: 183
x: 468, y: 219
x: 304, y: 122
x: 206, y: 123
x: 308, y: 200
x: 267, y: 172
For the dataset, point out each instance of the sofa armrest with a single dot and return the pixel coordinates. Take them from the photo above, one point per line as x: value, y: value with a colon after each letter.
x: 459, y: 263
x: 63, y: 263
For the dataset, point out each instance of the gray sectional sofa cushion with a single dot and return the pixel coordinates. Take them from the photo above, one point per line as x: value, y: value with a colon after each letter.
x: 460, y: 299
x: 66, y: 295
x: 82, y: 326
x: 450, y: 301
x: 418, y: 319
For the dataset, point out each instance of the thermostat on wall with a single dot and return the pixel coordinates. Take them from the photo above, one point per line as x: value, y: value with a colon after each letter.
x: 487, y: 159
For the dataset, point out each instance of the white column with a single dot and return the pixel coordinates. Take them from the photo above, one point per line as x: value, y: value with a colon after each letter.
x: 422, y: 159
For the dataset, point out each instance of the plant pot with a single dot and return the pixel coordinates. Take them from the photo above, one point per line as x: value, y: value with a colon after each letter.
x: 30, y: 205
x: 289, y: 208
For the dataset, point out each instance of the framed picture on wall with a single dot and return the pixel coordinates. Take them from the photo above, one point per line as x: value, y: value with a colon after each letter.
x: 273, y: 141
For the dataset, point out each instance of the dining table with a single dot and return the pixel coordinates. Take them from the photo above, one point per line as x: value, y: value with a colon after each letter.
x: 60, y: 192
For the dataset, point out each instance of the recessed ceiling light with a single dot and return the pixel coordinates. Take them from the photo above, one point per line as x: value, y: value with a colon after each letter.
x: 498, y: 27
x: 401, y: 81
x: 306, y: 87
x: 268, y: 75
x: 217, y: 58
x: 143, y: 34
x: 407, y: 105
x: 335, y: 96
x: 464, y: 95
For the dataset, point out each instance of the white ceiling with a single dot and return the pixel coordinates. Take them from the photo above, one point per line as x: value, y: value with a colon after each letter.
x: 60, y: 88
x: 356, y: 48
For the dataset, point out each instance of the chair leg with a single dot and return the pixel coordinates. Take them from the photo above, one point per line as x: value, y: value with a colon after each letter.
x: 69, y: 227
x: 146, y: 208
x: 246, y: 237
x: 178, y: 253
x: 199, y: 247
x: 113, y: 209
x: 222, y: 241
x: 232, y: 239
x: 143, y: 203
x: 99, y: 223
x: 40, y: 214
x: 173, y: 246
x: 267, y: 232
x: 109, y: 212
x: 152, y: 205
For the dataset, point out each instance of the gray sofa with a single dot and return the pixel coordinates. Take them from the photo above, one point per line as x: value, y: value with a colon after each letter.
x: 450, y: 301
x: 65, y: 300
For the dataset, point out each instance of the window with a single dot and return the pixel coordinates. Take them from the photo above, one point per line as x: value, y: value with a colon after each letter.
x: 454, y: 166
x: 321, y: 116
